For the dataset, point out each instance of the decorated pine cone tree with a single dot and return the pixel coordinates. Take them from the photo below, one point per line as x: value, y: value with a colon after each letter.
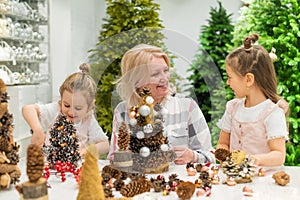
x: 64, y: 145
x: 9, y: 150
x: 36, y: 187
x: 35, y: 162
x: 123, y: 156
x: 151, y: 151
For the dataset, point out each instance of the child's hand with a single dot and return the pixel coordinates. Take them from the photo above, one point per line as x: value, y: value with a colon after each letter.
x: 38, y: 138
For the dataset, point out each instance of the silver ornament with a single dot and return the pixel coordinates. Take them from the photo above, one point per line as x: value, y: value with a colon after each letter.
x: 148, y: 128
x: 140, y: 135
x: 164, y: 147
x: 145, y: 152
x: 144, y: 110
x: 149, y: 100
x: 132, y: 121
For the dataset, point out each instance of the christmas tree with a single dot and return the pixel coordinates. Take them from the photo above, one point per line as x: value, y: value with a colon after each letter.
x: 64, y: 147
x: 9, y: 150
x: 208, y: 67
x: 151, y: 152
x: 91, y: 181
x: 127, y: 24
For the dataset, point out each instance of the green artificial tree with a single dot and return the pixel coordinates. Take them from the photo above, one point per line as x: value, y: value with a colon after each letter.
x: 208, y: 70
x: 277, y: 23
x: 128, y: 23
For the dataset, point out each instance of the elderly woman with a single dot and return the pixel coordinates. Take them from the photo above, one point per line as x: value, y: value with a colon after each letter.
x: 185, y: 125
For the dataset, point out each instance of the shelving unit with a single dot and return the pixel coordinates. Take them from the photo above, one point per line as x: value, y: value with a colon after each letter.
x: 24, y: 58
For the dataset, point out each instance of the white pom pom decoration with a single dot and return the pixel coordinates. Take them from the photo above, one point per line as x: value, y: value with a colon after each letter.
x: 140, y: 135
x: 148, y: 128
x: 149, y: 100
x: 144, y: 110
x: 145, y: 152
x: 164, y: 147
x: 132, y: 121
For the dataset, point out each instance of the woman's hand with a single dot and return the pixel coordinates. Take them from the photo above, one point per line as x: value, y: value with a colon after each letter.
x: 183, y: 155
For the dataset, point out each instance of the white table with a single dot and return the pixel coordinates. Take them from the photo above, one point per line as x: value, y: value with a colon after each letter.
x: 264, y: 187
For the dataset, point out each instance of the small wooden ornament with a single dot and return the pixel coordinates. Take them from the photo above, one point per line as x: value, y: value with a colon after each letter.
x: 123, y: 160
x: 34, y: 191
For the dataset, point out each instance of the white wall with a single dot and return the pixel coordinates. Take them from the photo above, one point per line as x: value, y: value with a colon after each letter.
x: 75, y: 25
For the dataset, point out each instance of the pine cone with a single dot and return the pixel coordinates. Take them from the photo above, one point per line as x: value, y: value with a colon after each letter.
x: 35, y: 162
x: 222, y: 154
x: 136, y: 187
x: 13, y: 155
x: 143, y: 91
x: 118, y: 184
x: 185, y: 190
x: 5, y: 144
x: 124, y: 136
x: 108, y: 191
x: 113, y: 172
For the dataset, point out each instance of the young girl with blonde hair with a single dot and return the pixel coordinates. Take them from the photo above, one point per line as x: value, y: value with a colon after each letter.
x: 77, y: 103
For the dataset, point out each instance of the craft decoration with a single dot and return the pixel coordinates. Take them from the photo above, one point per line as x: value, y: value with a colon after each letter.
x: 64, y: 147
x: 136, y: 187
x: 151, y: 152
x: 90, y: 180
x: 123, y: 156
x: 247, y: 191
x: 239, y: 166
x: 9, y: 149
x: 185, y: 190
x: 281, y: 178
x: 222, y: 154
x: 36, y: 187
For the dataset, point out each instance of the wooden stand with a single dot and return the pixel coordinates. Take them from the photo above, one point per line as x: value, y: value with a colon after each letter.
x: 35, y: 191
x: 123, y: 160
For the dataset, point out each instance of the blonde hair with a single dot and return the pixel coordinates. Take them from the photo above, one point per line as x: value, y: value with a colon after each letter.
x: 83, y: 82
x: 255, y: 59
x: 135, y: 70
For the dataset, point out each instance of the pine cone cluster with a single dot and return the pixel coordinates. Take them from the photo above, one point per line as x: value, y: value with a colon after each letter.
x: 136, y: 187
x: 35, y: 162
x: 9, y: 156
x: 124, y: 136
x: 222, y: 154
